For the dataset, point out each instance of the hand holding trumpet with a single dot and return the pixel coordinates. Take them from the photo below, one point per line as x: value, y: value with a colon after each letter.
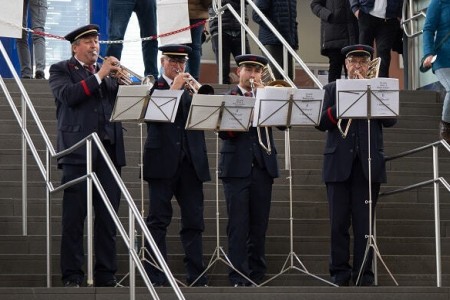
x: 110, y: 65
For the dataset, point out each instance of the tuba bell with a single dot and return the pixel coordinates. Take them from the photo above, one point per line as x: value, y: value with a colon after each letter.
x: 372, y: 72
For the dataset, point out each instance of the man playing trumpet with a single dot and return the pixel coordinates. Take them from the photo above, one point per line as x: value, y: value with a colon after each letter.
x: 247, y: 172
x: 345, y: 173
x: 84, y: 96
x: 176, y: 164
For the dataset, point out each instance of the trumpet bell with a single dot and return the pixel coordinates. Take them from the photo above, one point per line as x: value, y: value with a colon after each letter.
x: 205, y: 89
x: 279, y: 83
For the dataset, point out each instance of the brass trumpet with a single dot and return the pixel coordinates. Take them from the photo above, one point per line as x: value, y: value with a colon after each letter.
x: 194, y: 87
x: 125, y: 75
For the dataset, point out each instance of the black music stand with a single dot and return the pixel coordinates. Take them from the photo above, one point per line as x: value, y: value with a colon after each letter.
x: 287, y: 107
x: 220, y: 113
x: 357, y: 99
x: 135, y: 104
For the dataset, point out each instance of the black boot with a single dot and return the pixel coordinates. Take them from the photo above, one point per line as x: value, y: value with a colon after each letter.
x: 444, y: 131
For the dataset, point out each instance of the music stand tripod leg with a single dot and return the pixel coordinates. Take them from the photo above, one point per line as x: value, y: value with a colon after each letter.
x: 371, y: 242
x: 289, y: 262
x: 216, y: 256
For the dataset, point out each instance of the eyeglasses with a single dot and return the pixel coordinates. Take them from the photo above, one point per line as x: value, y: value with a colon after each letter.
x: 360, y: 61
x: 174, y: 61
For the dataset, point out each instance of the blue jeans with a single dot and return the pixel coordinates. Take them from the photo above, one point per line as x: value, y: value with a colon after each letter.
x: 38, y: 12
x: 443, y: 75
x: 119, y: 15
x: 193, y: 64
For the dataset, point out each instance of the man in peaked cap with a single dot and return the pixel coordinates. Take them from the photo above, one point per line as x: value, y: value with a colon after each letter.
x: 247, y: 171
x: 346, y: 176
x: 176, y: 164
x: 85, y: 95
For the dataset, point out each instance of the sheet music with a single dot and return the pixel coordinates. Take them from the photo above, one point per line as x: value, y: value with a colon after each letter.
x: 131, y: 102
x: 220, y: 112
x: 284, y: 106
x: 352, y: 98
x: 163, y: 105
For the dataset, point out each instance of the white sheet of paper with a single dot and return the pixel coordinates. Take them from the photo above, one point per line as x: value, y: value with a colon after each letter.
x: 173, y: 15
x: 163, y: 105
x: 272, y: 106
x: 352, y: 98
x: 205, y: 112
x: 130, y: 103
x: 11, y: 19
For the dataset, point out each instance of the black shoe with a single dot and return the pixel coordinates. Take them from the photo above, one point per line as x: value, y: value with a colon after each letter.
x: 39, y: 75
x: 241, y: 284
x: 72, y: 283
x: 109, y: 283
x: 444, y: 131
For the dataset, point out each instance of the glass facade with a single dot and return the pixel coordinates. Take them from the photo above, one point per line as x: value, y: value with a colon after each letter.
x: 62, y: 17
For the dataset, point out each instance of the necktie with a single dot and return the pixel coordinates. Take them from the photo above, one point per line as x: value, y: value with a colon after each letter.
x: 90, y: 68
x: 248, y: 94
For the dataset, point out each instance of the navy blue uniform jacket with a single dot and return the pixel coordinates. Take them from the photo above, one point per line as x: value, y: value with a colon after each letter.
x: 77, y: 97
x: 237, y: 155
x: 164, y: 144
x: 339, y: 153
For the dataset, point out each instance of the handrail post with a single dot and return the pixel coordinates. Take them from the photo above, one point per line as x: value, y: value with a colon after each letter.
x: 132, y: 235
x: 48, y: 220
x: 24, y: 170
x: 437, y: 220
x: 90, y: 259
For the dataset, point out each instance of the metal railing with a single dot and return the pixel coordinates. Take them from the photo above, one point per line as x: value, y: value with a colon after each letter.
x: 92, y: 180
x: 436, y: 181
x: 218, y: 8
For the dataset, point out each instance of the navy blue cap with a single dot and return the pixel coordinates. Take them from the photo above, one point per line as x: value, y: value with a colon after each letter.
x: 251, y: 59
x: 357, y: 50
x: 84, y: 31
x: 175, y: 50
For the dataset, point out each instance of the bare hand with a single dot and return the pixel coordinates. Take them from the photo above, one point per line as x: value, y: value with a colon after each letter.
x: 428, y: 61
x: 110, y: 65
x: 179, y: 81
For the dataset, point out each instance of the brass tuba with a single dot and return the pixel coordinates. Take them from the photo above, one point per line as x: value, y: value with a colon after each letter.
x: 372, y: 72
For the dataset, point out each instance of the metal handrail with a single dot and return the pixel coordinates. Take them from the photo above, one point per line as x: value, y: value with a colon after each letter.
x: 408, y: 17
x: 219, y: 9
x: 435, y: 181
x: 91, y: 178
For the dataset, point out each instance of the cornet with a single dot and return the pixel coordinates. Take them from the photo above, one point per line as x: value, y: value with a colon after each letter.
x: 125, y: 75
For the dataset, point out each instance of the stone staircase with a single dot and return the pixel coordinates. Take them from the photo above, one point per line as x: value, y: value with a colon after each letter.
x: 405, y: 225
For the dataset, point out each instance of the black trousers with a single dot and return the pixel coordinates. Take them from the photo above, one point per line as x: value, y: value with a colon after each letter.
x: 381, y: 31
x: 248, y: 207
x: 73, y: 218
x: 188, y: 192
x: 347, y: 207
x: 337, y: 62
x: 231, y: 44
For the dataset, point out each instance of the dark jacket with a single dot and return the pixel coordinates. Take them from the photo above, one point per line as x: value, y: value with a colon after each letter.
x: 229, y: 22
x: 163, y: 147
x: 339, y: 153
x: 239, y: 150
x: 283, y: 16
x: 393, y: 9
x: 338, y: 25
x: 77, y: 95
